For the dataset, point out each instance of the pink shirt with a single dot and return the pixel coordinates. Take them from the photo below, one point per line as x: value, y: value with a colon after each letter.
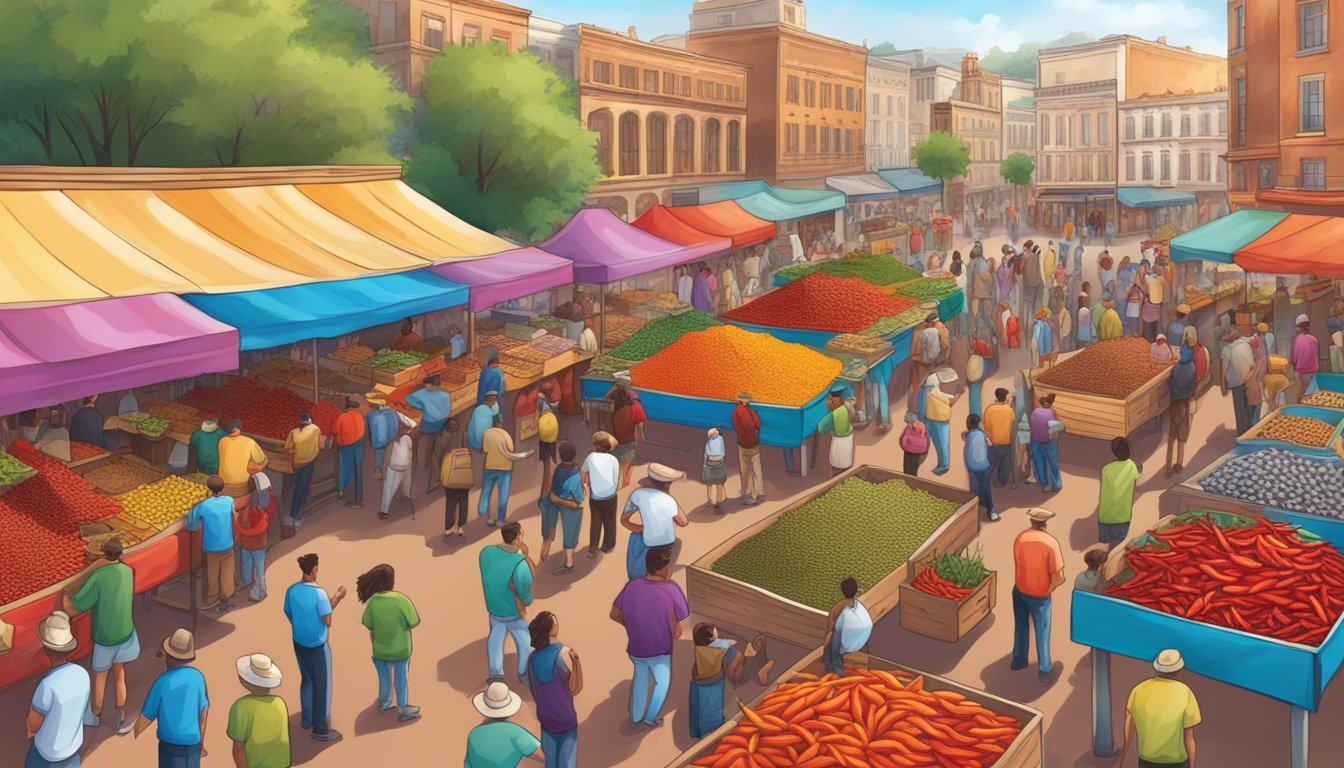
x: 1306, y: 353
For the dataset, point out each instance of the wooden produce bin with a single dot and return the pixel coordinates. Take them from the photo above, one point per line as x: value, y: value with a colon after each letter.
x: 1091, y: 415
x: 737, y: 603
x: 1024, y: 752
x: 941, y: 618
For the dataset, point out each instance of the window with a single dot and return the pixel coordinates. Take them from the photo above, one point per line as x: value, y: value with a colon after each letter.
x: 791, y: 95
x: 791, y: 143
x: 683, y: 145
x: 564, y: 61
x: 670, y: 83
x: 1241, y: 111
x: 1166, y: 165
x: 1147, y: 126
x: 900, y: 135
x: 711, y: 164
x: 650, y: 81
x: 1104, y: 129
x: 1104, y: 162
x: 704, y: 89
x: 874, y: 130
x: 1045, y: 130
x: 1061, y: 138
x: 1238, y: 176
x: 849, y: 140
x: 387, y: 23
x: 734, y: 145
x: 1129, y: 128
x: 1166, y: 125
x: 629, y: 77
x: 811, y: 139
x: 1130, y: 175
x: 825, y: 136
x: 839, y: 96
x: 1311, y: 103
x: 1185, y: 125
x: 825, y: 96
x: 877, y: 104
x: 1049, y: 168
x: 1310, y: 27
x: 1266, y: 172
x: 1147, y: 166
x: 1184, y: 168
x: 629, y: 144
x: 432, y: 32
x: 656, y: 139
x: 600, y: 124
x: 1222, y: 122
x: 1203, y: 166
x: 1218, y: 166
x: 718, y: 91
x: 1205, y: 124
x: 810, y: 93
x: 891, y: 134
x: 835, y: 139
x: 602, y: 72
x: 900, y: 107
x: 889, y: 105
x: 850, y: 104
x: 1085, y: 130
x: 1239, y: 30
x: 503, y: 38
x: 1313, y: 173
x: 685, y: 85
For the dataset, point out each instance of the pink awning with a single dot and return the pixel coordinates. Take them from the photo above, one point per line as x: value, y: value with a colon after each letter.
x: 507, y: 276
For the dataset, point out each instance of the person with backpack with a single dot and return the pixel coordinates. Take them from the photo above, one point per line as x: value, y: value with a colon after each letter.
x: 457, y: 478
x: 1182, y: 383
x: 978, y: 465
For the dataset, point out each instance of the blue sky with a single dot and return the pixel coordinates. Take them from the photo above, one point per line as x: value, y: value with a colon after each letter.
x: 974, y: 24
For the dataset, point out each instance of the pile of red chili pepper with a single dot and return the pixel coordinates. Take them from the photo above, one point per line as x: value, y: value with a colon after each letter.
x: 822, y: 302
x: 1261, y: 578
x: 324, y: 415
x: 929, y: 581
x: 225, y: 400
x: 272, y: 413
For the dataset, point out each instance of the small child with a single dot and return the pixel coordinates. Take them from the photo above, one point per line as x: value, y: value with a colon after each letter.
x: 714, y: 473
x: 251, y: 525
x: 1091, y: 579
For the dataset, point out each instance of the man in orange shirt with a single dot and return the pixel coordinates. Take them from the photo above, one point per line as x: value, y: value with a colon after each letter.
x: 407, y: 340
x: 348, y: 432
x: 1039, y: 566
x: 999, y: 427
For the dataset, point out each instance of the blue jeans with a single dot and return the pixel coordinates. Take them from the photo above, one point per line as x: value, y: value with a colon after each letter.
x: 940, y: 433
x: 981, y: 487
x: 392, y: 673
x: 179, y: 756
x: 832, y: 658
x: 516, y: 628
x: 315, y: 686
x: 561, y: 749
x: 498, y: 479
x: 351, y: 469
x: 643, y: 706
x: 1000, y: 462
x: 1037, y: 611
x: 1045, y: 463
x: 253, y: 567
x: 1246, y: 415
x: 303, y: 479
x: 34, y: 760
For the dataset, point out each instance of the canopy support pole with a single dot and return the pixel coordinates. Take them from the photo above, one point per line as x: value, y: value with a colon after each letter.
x: 471, y: 331
x: 601, y: 318
x: 1103, y: 739
x: 1298, y: 719
x: 316, y: 396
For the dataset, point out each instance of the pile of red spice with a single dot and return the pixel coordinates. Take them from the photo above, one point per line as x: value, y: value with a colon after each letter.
x: 821, y: 302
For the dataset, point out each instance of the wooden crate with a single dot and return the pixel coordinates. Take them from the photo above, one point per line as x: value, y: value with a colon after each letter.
x: 148, y: 473
x: 1105, y: 418
x: 1026, y: 751
x: 737, y: 603
x: 393, y: 378
x: 939, y: 617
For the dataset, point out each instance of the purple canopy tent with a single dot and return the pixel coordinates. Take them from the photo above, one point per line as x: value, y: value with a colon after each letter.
x: 605, y: 249
x: 55, y: 353
x: 507, y: 276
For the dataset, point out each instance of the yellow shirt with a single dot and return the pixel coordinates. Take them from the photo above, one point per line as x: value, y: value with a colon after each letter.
x: 999, y: 424
x: 548, y: 427
x: 1162, y: 709
x: 497, y: 445
x: 303, y: 444
x: 938, y: 406
x: 235, y: 453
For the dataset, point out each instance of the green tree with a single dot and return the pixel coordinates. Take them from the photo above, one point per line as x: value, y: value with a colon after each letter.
x: 883, y: 49
x: 1017, y: 168
x: 1021, y: 63
x: 944, y: 157
x: 499, y: 141
x: 190, y: 82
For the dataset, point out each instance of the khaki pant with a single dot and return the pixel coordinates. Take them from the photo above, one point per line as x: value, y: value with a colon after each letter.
x: 749, y: 465
x: 218, y: 577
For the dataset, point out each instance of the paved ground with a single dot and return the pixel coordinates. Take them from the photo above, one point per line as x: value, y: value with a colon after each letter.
x: 449, y: 665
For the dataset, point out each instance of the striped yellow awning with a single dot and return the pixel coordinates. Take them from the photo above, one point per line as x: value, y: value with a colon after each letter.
x: 74, y: 234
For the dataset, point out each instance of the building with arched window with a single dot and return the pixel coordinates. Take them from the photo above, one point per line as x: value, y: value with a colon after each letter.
x: 1184, y: 183
x: 665, y: 119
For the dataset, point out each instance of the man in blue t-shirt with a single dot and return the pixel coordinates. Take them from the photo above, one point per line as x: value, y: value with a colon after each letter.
x: 492, y: 378
x: 308, y: 609
x: 435, y: 406
x: 214, y: 518
x: 178, y: 700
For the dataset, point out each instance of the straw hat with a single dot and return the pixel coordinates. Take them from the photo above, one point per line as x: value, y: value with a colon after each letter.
x: 180, y: 645
x: 55, y: 632
x: 1169, y: 661
x: 1040, y: 514
x: 1303, y: 320
x: 258, y: 669
x: 1262, y: 327
x: 664, y: 474
x: 744, y: 397
x: 606, y: 437
x: 497, y: 702
x: 1184, y: 309
x: 376, y: 398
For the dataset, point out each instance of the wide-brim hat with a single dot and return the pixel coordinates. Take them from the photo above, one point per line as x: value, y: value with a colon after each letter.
x: 56, y: 633
x: 1184, y: 309
x: 1303, y: 320
x: 605, y: 437
x: 1262, y: 327
x: 664, y: 474
x: 376, y: 398
x: 180, y: 645
x: 258, y: 669
x: 497, y: 701
x: 1040, y: 514
x: 1169, y: 661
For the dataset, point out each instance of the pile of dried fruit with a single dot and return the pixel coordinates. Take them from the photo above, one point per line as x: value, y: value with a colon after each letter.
x: 866, y: 718
x: 1299, y: 430
x: 720, y: 362
x: 164, y: 502
x: 821, y: 302
x: 655, y: 336
x: 618, y: 328
x: 1325, y: 399
x: 170, y: 411
x: 273, y: 413
x: 876, y: 270
x: 324, y: 414
x: 12, y: 470
x: 355, y: 353
x: 860, y: 529
x: 667, y: 302
x: 1267, y: 578
x: 931, y: 288
x: 1283, y: 479
x: 120, y: 474
x: 1113, y: 368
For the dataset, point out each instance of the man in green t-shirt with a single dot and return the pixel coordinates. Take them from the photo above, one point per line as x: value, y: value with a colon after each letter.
x: 259, y: 721
x: 203, y: 446
x: 1116, y: 506
x: 1161, y: 716
x: 389, y: 616
x: 498, y: 743
x: 108, y: 592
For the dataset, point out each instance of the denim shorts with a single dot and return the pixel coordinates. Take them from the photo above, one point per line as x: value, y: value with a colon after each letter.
x: 104, y: 656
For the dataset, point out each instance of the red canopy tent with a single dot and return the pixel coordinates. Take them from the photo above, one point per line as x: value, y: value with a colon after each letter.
x: 695, y: 224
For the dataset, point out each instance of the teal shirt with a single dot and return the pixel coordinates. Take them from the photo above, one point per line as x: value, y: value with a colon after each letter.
x: 499, y: 744
x: 501, y: 568
x: 206, y: 445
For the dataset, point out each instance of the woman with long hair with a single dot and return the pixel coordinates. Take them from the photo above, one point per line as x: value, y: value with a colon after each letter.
x: 555, y: 677
x: 389, y: 616
x: 717, y: 662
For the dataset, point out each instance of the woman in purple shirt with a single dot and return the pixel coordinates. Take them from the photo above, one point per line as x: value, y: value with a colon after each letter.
x: 555, y: 677
x: 1305, y: 355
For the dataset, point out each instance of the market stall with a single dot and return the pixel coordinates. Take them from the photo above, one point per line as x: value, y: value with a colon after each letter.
x: 810, y: 220
x: 1107, y: 389
x: 700, y: 224
x: 871, y: 519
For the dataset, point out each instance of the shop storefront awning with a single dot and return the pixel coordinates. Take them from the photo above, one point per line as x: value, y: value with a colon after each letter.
x: 910, y: 181
x: 74, y: 234
x: 277, y: 316
x: 507, y: 276
x: 1298, y: 245
x: 62, y: 352
x: 774, y: 203
x: 1075, y: 195
x: 699, y: 224
x: 1152, y: 197
x: 605, y: 249
x: 1220, y: 239
x: 862, y: 187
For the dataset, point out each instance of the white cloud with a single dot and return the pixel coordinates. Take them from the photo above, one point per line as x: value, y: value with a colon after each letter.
x: 1135, y: 17
x: 983, y: 34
